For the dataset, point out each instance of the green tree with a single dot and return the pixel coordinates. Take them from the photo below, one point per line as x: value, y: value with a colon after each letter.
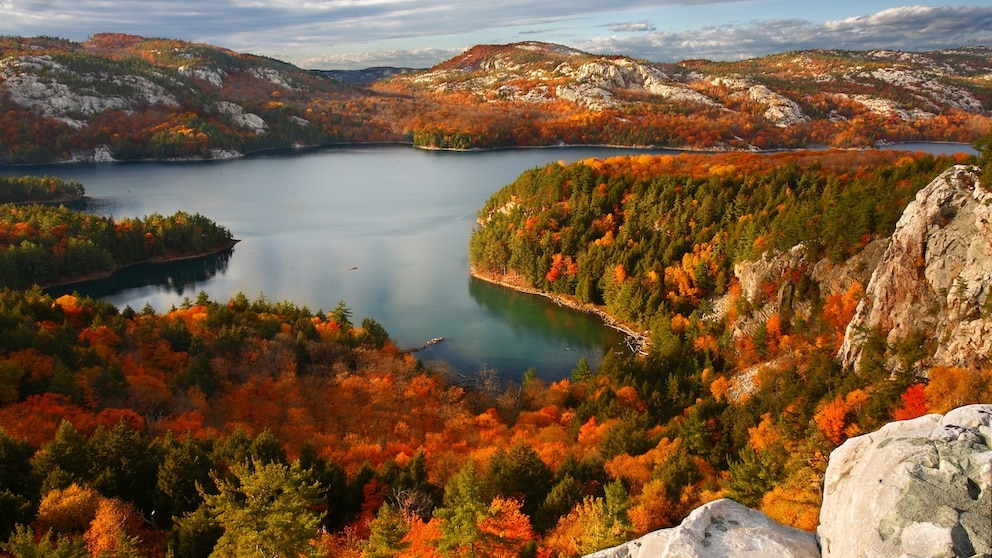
x: 462, y: 508
x: 18, y: 484
x: 563, y: 496
x: 124, y: 462
x: 386, y: 533
x: 752, y: 475
x: 64, y: 460
x: 373, y: 334
x: 22, y: 544
x: 265, y: 511
x: 184, y: 468
x: 265, y: 448
x: 521, y: 474
x: 195, y: 534
x: 342, y: 316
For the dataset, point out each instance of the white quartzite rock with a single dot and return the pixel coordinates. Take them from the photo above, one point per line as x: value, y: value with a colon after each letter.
x: 936, y: 275
x: 917, y: 488
x: 720, y: 529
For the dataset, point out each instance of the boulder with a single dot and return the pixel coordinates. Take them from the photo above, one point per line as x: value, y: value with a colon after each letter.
x: 916, y: 488
x: 722, y: 528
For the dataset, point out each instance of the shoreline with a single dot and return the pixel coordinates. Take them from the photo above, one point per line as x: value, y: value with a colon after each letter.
x: 153, y: 261
x: 638, y: 342
x: 297, y: 149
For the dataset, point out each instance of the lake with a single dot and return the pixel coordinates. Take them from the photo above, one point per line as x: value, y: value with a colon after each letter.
x: 385, y: 229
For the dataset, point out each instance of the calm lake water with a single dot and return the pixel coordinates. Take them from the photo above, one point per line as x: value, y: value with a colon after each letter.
x: 384, y: 229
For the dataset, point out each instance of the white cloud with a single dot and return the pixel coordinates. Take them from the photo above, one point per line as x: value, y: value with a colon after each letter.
x: 345, y: 33
x: 915, y: 28
x: 417, y: 58
x: 631, y: 27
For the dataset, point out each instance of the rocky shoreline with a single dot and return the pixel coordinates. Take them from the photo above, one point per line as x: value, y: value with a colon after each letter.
x: 638, y: 342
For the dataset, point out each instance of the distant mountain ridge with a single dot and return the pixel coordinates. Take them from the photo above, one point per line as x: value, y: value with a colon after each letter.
x: 121, y: 97
x: 365, y: 76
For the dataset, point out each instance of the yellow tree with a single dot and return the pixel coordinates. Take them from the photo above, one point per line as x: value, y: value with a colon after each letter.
x: 113, y: 531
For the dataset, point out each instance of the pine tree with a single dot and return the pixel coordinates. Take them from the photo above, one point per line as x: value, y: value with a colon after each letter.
x: 461, y: 511
x: 265, y: 511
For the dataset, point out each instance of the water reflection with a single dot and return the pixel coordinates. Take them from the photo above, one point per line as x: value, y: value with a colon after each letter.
x: 536, y: 316
x: 180, y: 278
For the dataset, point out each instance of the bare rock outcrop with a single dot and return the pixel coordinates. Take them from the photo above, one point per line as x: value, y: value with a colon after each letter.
x: 722, y: 528
x: 919, y: 488
x: 916, y: 488
x: 935, y: 277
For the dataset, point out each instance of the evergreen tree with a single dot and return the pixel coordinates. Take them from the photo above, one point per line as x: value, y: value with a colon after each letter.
x: 184, y: 469
x: 519, y: 473
x: 386, y: 533
x: 266, y: 510
x: 124, y: 462
x: 462, y: 509
x: 64, y: 460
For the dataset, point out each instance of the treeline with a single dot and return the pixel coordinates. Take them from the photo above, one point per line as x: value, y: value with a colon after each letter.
x: 46, y: 245
x: 32, y: 189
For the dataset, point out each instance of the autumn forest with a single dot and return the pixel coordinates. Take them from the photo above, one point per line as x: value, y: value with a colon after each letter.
x: 250, y: 426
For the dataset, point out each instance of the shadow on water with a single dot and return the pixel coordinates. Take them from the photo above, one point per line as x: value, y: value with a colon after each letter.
x: 178, y: 277
x: 536, y: 317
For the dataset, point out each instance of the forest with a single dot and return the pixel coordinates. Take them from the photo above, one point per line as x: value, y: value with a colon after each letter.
x: 30, y: 189
x: 239, y: 427
x: 44, y: 244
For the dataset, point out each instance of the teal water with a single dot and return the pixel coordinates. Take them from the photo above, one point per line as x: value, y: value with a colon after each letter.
x: 384, y: 229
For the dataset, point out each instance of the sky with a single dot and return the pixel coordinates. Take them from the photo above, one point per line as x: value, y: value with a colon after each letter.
x: 354, y: 34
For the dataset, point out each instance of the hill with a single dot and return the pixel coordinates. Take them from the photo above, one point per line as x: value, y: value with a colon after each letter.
x: 121, y: 97
x: 741, y: 394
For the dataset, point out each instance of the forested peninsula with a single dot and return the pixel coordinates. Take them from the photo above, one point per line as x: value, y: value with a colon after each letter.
x: 46, y: 244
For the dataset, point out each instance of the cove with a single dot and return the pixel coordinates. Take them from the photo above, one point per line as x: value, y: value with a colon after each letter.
x: 385, y: 229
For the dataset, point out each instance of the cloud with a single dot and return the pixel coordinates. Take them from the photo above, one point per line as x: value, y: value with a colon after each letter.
x: 631, y: 27
x: 416, y: 58
x: 318, y: 33
x: 913, y: 28
x: 339, y: 21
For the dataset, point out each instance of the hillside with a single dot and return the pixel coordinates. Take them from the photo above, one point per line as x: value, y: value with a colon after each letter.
x: 741, y: 394
x: 121, y: 97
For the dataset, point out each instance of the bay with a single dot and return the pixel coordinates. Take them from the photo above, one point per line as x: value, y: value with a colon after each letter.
x: 384, y: 229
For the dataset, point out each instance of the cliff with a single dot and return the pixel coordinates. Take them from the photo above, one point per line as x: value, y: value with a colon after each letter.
x: 933, y: 285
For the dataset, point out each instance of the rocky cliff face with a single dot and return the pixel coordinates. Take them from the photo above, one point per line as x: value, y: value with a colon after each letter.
x: 917, y: 488
x: 934, y: 280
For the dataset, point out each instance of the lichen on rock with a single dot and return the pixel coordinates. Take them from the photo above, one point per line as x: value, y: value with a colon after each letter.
x: 921, y: 487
